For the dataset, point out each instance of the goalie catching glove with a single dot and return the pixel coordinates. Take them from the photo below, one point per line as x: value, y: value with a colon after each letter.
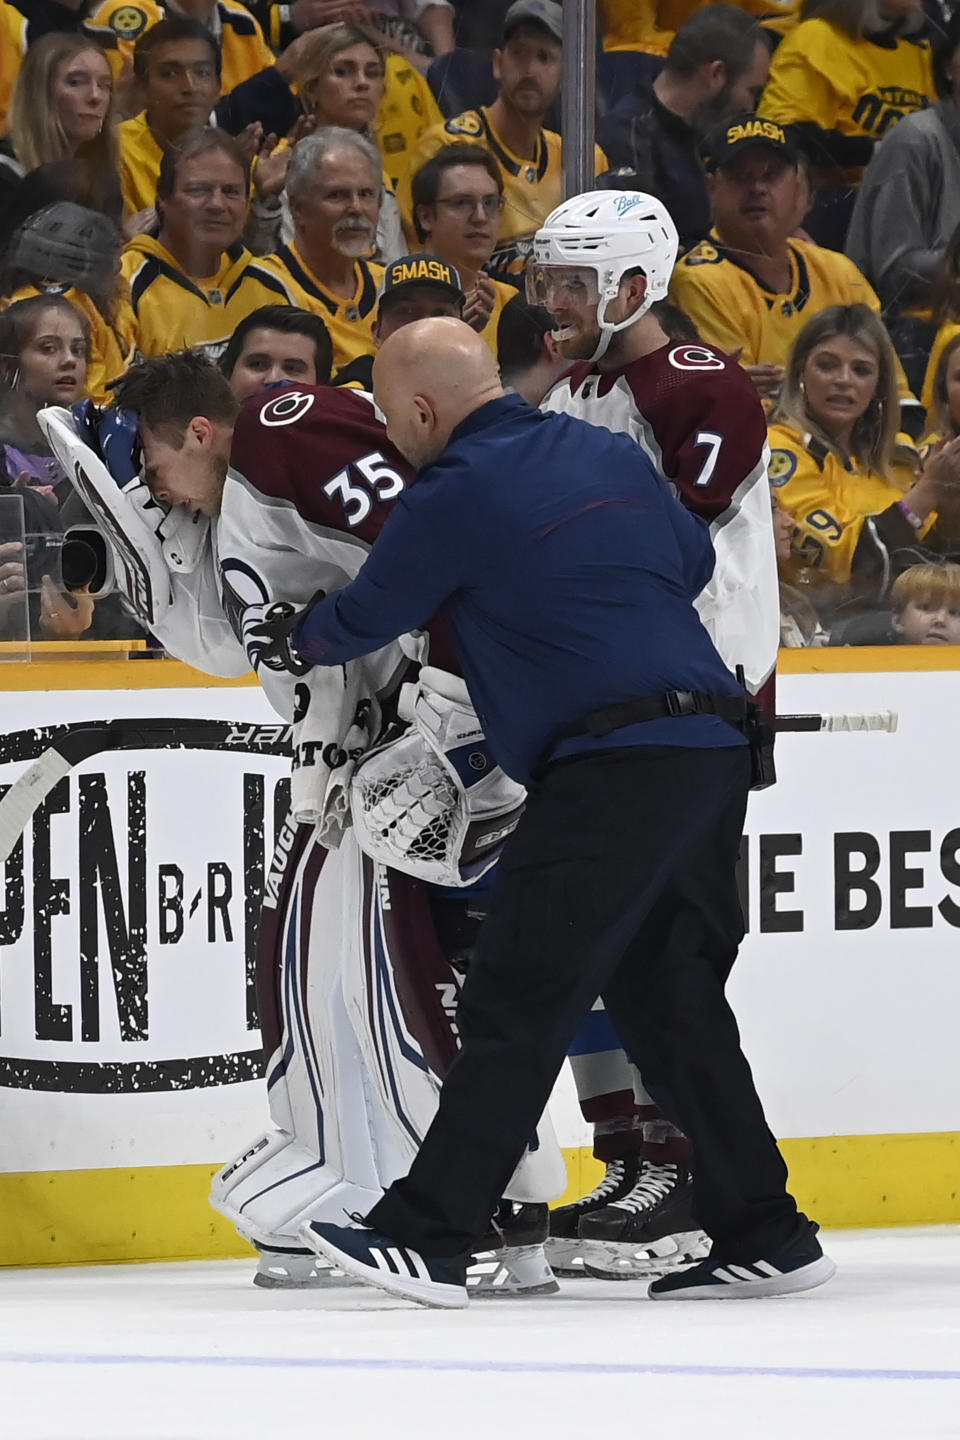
x: 434, y: 803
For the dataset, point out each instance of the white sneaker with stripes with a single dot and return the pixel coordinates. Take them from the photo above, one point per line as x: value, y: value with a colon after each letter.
x: 801, y: 1265
x: 375, y: 1259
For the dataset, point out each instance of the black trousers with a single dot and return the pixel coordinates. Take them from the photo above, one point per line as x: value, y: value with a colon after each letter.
x: 619, y: 881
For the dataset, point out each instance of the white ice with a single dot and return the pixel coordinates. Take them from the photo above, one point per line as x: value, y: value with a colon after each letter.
x: 194, y: 1352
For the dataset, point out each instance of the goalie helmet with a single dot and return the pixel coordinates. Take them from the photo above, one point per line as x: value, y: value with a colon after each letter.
x: 608, y: 232
x: 434, y: 803
x: 114, y: 437
x: 66, y: 244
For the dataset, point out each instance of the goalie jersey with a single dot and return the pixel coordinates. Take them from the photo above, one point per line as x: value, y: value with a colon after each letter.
x: 696, y: 414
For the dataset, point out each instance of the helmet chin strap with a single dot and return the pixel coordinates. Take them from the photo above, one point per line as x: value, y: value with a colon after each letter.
x: 608, y: 330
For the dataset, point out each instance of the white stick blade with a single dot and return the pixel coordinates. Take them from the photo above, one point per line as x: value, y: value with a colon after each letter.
x: 24, y: 798
x: 885, y: 720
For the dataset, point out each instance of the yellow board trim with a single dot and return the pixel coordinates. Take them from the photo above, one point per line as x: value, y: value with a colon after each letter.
x: 77, y: 1217
x: 148, y: 673
x: 113, y: 675
x: 868, y: 659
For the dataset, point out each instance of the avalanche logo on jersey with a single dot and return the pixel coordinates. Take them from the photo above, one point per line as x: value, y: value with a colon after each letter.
x: 286, y: 409
x: 694, y: 357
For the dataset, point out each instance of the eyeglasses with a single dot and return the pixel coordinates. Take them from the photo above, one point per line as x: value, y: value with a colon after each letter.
x: 464, y: 205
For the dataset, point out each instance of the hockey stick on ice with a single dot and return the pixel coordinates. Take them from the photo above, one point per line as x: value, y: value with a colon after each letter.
x: 850, y: 724
x: 56, y: 749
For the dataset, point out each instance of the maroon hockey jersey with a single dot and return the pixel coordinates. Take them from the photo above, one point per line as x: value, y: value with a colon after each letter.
x: 698, y: 417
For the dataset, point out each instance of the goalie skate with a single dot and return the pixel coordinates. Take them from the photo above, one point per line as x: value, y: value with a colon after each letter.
x: 646, y: 1232
x: 564, y: 1249
x: 296, y: 1270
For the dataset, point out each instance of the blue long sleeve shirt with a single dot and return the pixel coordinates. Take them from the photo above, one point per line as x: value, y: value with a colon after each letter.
x: 566, y: 570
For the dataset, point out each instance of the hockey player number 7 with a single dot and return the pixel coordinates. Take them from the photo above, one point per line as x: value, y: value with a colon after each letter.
x: 714, y: 441
x: 357, y: 500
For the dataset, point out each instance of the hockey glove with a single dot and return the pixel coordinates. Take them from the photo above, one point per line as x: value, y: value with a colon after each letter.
x: 268, y: 643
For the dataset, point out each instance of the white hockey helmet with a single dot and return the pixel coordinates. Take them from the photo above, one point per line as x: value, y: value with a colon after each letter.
x: 609, y: 232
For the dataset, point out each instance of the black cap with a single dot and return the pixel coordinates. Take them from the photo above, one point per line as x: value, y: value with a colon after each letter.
x: 745, y: 132
x: 545, y: 13
x: 421, y: 269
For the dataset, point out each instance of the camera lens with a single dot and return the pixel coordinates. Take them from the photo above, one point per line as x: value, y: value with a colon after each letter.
x: 80, y: 562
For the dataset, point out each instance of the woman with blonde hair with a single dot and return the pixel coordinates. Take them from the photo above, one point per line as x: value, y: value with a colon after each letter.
x: 342, y: 81
x: 62, y: 109
x: 943, y: 412
x: 855, y: 500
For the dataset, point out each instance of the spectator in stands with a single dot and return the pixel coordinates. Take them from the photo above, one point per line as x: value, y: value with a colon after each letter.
x: 44, y: 350
x: 943, y: 411
x: 71, y: 251
x: 716, y: 66
x: 908, y: 205
x: 752, y: 287
x: 944, y: 316
x: 839, y: 80
x: 119, y: 26
x: 44, y: 354
x: 799, y: 622
x: 194, y: 283
x: 530, y: 362
x: 528, y: 69
x: 277, y: 345
x: 457, y: 200
x: 415, y: 287
x: 13, y: 47
x: 414, y: 29
x: 835, y: 467
x: 61, y: 110
x: 341, y: 80
x: 649, y: 25
x: 274, y: 97
x: 177, y: 62
x: 925, y: 605
x: 334, y: 184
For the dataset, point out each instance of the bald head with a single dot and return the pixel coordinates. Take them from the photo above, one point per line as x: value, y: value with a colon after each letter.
x: 428, y: 377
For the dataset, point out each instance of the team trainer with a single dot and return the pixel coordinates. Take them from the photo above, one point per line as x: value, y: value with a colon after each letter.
x: 567, y: 572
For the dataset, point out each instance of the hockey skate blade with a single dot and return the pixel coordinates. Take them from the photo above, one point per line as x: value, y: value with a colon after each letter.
x: 290, y: 1271
x: 818, y: 1272
x: 613, y: 1260
x: 420, y: 1292
x: 517, y: 1272
x: 565, y: 1258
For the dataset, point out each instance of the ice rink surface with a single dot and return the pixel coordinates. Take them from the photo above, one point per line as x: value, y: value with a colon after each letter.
x: 195, y: 1352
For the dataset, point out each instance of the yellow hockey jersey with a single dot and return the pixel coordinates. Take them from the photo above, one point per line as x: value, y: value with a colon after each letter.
x: 650, y: 24
x: 174, y: 311
x: 820, y: 75
x: 505, y: 293
x: 117, y: 25
x: 943, y: 337
x: 732, y: 308
x: 140, y: 158
x: 13, y: 47
x: 532, y: 188
x: 408, y: 108
x: 112, y: 345
x: 829, y: 502
x: 348, y: 321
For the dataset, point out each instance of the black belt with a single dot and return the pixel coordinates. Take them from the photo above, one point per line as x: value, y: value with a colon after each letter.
x: 670, y: 706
